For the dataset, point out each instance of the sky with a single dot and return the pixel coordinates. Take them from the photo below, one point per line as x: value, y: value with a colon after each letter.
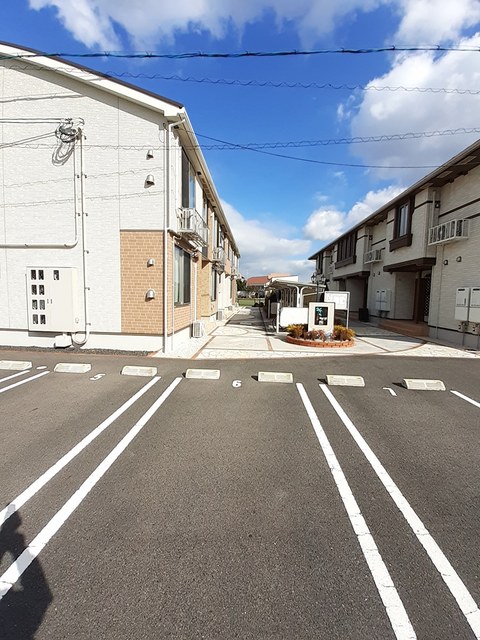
x: 300, y: 147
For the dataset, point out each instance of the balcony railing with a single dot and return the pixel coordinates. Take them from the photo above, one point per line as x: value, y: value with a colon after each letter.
x: 219, y: 258
x: 448, y: 232
x: 372, y: 256
x: 192, y: 226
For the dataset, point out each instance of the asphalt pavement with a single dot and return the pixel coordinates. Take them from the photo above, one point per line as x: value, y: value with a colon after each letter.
x: 167, y: 506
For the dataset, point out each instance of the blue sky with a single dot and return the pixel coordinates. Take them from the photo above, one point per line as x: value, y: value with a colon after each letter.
x: 282, y: 210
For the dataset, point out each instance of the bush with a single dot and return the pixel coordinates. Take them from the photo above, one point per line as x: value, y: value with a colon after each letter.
x: 340, y: 332
x: 317, y: 334
x: 296, y: 330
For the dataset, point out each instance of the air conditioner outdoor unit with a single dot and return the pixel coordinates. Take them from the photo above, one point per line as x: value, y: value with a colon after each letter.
x: 220, y: 314
x: 198, y: 329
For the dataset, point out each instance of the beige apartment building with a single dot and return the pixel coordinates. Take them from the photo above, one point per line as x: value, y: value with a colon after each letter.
x: 112, y: 234
x: 415, y: 262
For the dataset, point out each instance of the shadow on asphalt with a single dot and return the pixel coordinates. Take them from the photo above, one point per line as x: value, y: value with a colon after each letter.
x: 23, y: 608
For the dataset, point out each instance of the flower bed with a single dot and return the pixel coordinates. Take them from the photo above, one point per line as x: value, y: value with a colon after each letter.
x: 319, y: 344
x: 340, y: 336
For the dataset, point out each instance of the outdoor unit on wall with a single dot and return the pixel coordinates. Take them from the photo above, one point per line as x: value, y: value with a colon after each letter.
x: 197, y: 329
x: 52, y: 299
x: 448, y: 232
x: 383, y: 299
x: 372, y: 256
x: 474, y: 311
x: 462, y: 303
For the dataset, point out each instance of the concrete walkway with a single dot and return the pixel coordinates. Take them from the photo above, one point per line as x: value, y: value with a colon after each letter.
x: 246, y: 335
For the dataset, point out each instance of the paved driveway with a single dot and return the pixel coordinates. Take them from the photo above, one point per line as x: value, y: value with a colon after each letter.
x: 246, y: 335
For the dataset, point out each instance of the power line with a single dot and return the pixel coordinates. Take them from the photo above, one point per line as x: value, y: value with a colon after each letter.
x: 245, y: 54
x: 269, y: 84
x: 284, y: 144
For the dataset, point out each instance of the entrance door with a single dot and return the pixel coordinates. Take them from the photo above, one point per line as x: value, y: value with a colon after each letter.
x: 422, y: 298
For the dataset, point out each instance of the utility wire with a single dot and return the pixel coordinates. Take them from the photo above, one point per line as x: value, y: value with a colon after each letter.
x: 269, y: 84
x: 243, y: 54
x: 283, y: 144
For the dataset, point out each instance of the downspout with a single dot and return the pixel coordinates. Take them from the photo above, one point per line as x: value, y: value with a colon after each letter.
x: 166, y: 226
x: 84, y: 214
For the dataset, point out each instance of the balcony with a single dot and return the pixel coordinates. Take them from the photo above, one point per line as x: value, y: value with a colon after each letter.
x: 372, y: 256
x: 192, y: 226
x: 448, y: 232
x: 219, y: 259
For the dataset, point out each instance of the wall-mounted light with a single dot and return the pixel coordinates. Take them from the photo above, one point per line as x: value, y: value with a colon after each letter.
x: 149, y: 154
x: 437, y: 204
x: 151, y: 262
x: 150, y: 295
x: 445, y: 262
x: 149, y: 180
x: 458, y: 258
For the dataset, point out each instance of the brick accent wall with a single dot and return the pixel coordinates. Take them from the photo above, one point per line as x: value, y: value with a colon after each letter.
x: 141, y: 316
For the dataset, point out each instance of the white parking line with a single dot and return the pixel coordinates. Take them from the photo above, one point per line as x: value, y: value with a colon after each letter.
x: 15, y: 375
x: 17, y: 384
x: 460, y: 395
x: 453, y: 581
x: 399, y: 619
x: 30, y: 491
x: 14, y: 572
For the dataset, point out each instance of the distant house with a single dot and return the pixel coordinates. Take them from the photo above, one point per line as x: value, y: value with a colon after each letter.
x: 417, y: 258
x: 257, y: 284
x: 112, y: 234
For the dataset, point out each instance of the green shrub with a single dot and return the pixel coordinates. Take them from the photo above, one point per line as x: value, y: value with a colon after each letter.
x: 340, y: 332
x: 296, y: 330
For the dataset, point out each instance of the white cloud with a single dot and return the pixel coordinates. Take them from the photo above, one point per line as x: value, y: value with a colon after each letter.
x: 86, y: 20
x: 263, y: 250
x: 151, y: 20
x: 411, y: 112
x: 428, y: 21
x: 327, y: 223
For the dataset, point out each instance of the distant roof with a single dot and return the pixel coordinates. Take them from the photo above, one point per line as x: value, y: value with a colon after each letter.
x: 257, y: 281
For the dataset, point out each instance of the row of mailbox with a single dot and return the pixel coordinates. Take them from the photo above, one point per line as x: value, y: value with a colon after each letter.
x: 467, y: 304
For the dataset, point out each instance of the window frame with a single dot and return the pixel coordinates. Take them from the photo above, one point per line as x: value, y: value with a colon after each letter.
x: 346, y: 250
x: 402, y: 225
x: 182, y: 277
x: 188, y: 183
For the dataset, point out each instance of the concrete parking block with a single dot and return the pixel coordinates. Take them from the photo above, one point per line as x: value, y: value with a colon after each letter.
x: 275, y: 376
x: 203, y: 374
x: 72, y: 367
x: 15, y: 365
x: 424, y: 385
x: 130, y: 370
x: 345, y: 381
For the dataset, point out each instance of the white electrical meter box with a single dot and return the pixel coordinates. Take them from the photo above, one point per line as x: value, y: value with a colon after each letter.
x: 462, y: 302
x: 52, y: 298
x: 383, y: 299
x: 474, y: 312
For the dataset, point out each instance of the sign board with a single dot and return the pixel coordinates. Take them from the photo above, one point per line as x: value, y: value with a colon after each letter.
x: 340, y: 298
x: 293, y: 315
x: 321, y: 316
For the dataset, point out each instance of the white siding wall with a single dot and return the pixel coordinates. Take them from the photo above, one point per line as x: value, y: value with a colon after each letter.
x: 462, y: 194
x: 115, y: 167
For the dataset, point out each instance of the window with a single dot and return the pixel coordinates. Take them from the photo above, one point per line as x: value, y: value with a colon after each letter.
x: 181, y: 277
x: 346, y: 248
x: 213, y: 285
x: 402, y: 236
x: 188, y: 183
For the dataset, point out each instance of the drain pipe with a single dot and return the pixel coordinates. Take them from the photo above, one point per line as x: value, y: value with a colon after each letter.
x: 84, y: 214
x: 166, y: 226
